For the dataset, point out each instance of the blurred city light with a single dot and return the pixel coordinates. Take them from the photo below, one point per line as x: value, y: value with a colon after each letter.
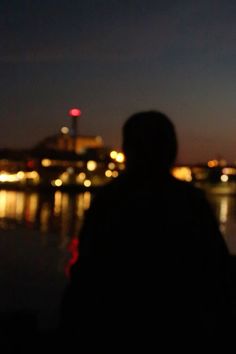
x: 91, y: 165
x: 113, y: 154
x: 108, y: 173
x: 65, y: 130
x: 87, y: 183
x: 120, y: 157
x: 75, y: 112
x: 182, y: 173
x: 46, y: 162
x: 224, y: 178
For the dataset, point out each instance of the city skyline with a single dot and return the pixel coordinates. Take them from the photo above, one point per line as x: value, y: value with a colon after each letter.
x: 114, y: 58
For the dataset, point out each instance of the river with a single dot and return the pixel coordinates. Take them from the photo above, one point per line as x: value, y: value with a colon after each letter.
x: 38, y: 244
x: 62, y: 214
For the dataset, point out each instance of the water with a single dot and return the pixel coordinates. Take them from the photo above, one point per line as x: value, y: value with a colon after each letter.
x: 61, y: 214
x: 38, y: 241
x: 58, y: 213
x: 224, y: 207
x: 37, y: 245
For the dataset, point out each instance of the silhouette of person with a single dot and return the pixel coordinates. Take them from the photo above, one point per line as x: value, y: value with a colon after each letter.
x: 152, y: 269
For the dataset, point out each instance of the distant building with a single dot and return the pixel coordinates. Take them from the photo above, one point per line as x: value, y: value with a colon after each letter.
x: 64, y: 142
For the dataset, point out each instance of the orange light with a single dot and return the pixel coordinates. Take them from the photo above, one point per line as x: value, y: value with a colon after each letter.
x: 212, y: 163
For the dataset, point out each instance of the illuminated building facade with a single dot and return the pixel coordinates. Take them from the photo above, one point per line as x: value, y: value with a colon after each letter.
x: 65, y: 142
x: 54, y: 163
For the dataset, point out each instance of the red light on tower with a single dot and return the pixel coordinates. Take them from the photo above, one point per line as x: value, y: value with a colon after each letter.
x: 75, y: 112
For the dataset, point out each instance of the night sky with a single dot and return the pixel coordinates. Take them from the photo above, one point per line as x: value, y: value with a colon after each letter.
x: 112, y: 58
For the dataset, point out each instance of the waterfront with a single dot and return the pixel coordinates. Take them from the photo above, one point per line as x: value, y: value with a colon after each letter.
x: 61, y: 214
x: 37, y: 232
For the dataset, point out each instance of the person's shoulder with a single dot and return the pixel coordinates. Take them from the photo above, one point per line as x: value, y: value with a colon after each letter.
x: 112, y: 188
x: 188, y: 188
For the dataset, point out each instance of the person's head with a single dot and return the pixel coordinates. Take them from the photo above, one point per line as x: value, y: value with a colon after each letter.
x: 149, y: 142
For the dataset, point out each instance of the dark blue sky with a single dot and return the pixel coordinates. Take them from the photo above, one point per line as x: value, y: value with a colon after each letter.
x: 112, y: 58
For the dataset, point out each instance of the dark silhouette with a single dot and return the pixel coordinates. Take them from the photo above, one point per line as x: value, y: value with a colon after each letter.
x: 152, y: 270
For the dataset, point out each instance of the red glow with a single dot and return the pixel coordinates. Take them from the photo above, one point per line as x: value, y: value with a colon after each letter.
x: 75, y: 112
x: 30, y: 164
x: 74, y: 255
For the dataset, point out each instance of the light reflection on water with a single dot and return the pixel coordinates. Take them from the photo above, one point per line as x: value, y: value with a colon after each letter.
x: 58, y: 213
x: 41, y: 258
x: 224, y: 207
x: 62, y: 213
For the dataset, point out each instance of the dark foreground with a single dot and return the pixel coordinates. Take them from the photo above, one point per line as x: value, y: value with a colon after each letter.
x: 31, y: 288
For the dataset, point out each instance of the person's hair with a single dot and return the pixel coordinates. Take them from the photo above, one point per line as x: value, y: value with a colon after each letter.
x: 149, y: 137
